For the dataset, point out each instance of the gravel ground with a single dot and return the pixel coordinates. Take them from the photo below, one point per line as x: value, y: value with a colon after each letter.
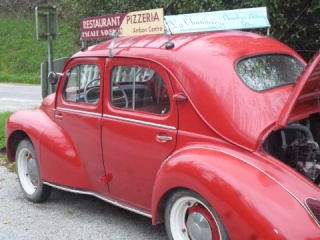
x: 67, y: 216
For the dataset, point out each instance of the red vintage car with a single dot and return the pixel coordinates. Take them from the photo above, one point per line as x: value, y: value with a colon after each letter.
x: 214, y: 134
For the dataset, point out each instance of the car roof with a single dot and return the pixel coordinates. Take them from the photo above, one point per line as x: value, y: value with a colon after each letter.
x: 203, y: 65
x: 232, y: 42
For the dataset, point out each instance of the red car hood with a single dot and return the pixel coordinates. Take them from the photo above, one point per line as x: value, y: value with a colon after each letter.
x: 306, y: 89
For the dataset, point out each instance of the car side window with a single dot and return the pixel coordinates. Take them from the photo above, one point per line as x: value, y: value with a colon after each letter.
x: 139, y: 89
x: 83, y: 84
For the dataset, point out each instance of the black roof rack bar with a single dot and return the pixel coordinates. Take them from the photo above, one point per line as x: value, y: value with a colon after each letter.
x: 114, y: 36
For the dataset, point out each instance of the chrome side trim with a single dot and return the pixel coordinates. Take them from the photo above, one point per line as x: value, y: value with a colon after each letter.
x: 78, y: 111
x: 108, y: 200
x: 139, y: 122
x: 116, y: 118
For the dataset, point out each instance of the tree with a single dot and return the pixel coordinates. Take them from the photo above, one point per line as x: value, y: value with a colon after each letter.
x: 296, y: 22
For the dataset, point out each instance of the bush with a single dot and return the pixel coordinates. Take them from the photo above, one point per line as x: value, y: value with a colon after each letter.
x: 296, y: 23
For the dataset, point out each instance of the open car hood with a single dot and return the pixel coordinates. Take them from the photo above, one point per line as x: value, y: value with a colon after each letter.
x: 306, y: 89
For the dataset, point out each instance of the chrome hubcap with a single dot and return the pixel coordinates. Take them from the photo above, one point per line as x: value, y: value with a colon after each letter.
x: 27, y: 171
x: 190, y: 219
x: 198, y: 227
x: 32, y: 170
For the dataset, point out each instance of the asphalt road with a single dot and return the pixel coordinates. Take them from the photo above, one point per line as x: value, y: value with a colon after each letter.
x: 17, y: 96
x: 67, y: 216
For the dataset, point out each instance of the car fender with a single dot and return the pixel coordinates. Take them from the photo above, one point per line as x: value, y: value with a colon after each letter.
x: 235, y: 187
x: 49, y: 141
x: 22, y: 124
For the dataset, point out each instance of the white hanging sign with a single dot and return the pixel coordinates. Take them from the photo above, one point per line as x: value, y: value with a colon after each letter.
x: 247, y: 18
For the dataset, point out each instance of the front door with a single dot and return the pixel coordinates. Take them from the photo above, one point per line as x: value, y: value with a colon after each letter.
x: 78, y: 114
x: 139, y: 128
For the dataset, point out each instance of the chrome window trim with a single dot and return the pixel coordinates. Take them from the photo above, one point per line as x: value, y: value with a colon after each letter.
x: 139, y: 122
x: 79, y: 111
x: 310, y: 211
x: 108, y: 200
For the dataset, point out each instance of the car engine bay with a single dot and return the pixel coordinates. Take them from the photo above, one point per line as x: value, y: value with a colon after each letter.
x: 297, y: 145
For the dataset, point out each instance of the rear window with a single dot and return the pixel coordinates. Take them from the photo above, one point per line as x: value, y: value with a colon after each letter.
x: 269, y: 71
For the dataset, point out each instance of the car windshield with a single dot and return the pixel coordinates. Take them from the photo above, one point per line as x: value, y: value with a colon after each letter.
x: 269, y: 71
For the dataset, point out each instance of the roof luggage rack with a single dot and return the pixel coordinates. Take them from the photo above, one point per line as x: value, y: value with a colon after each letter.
x: 114, y: 35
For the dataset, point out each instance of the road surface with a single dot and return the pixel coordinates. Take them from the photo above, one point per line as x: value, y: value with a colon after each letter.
x: 17, y: 96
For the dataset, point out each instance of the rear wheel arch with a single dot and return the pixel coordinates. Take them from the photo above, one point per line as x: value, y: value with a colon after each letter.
x: 178, y: 172
x: 170, y: 187
x: 222, y: 190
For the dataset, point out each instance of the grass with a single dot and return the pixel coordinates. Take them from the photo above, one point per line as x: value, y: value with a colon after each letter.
x: 3, y: 159
x: 10, y: 166
x: 21, y: 53
x: 29, y: 78
x: 3, y: 119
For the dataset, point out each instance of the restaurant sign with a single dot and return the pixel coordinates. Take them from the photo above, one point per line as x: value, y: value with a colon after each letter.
x: 126, y: 24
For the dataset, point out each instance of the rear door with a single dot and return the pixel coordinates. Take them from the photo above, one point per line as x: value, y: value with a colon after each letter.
x: 139, y: 128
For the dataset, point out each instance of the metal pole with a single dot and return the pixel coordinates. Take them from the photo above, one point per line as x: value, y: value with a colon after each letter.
x: 44, y: 79
x: 50, y: 51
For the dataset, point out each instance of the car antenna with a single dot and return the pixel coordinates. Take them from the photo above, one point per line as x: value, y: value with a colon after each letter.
x: 168, y: 33
x: 114, y: 36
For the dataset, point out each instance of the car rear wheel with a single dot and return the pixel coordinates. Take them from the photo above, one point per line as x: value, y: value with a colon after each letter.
x: 28, y: 173
x: 189, y: 216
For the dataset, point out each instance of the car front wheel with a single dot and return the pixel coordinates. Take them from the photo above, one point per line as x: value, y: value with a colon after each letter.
x: 28, y: 173
x: 189, y: 216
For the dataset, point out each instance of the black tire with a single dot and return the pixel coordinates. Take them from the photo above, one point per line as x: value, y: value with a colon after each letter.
x: 27, y: 168
x: 189, y: 216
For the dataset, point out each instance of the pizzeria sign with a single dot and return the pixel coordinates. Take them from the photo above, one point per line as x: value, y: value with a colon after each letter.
x: 126, y: 24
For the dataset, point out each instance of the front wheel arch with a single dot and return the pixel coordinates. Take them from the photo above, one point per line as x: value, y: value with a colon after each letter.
x: 13, y: 142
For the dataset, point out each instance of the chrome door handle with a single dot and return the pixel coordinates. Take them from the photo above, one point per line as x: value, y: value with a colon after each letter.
x: 58, y: 116
x: 162, y: 138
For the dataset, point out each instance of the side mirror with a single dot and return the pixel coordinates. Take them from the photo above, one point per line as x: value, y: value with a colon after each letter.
x: 53, y: 77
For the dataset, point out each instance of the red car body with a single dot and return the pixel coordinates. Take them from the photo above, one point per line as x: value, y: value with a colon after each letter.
x: 211, y: 140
